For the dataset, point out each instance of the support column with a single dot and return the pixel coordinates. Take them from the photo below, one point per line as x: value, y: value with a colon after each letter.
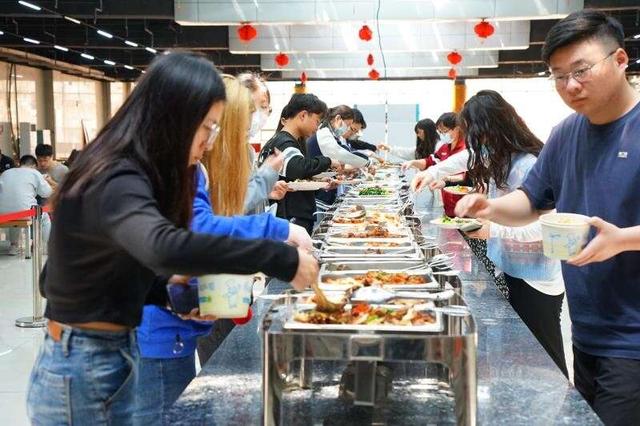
x: 45, y: 107
x: 459, y: 94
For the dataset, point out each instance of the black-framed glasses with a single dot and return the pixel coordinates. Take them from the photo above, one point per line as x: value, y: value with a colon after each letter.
x: 581, y: 75
x: 214, y: 130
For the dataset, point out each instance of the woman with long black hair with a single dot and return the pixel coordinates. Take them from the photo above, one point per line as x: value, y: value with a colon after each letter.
x: 502, y: 150
x: 121, y: 224
x: 427, y: 137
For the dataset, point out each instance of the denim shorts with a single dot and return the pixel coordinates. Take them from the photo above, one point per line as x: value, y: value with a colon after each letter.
x: 86, y: 378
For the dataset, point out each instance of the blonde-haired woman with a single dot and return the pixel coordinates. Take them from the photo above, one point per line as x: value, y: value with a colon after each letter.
x: 167, y: 342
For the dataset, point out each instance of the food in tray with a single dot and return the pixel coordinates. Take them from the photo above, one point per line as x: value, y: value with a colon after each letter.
x: 373, y: 232
x: 454, y: 222
x: 364, y: 314
x: 377, y: 278
x: 459, y: 189
x: 307, y: 185
x: 374, y: 191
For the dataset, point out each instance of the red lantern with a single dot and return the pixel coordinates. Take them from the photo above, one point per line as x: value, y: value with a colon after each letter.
x: 282, y: 59
x: 373, y: 74
x: 246, y: 33
x: 454, y: 58
x: 303, y: 77
x: 484, y: 29
x: 370, y: 59
x: 452, y: 73
x: 365, y: 33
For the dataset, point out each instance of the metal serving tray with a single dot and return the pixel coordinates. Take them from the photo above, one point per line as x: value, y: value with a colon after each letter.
x: 430, y: 282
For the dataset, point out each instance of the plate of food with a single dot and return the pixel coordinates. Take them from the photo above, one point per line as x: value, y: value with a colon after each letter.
x: 447, y: 222
x: 325, y: 175
x: 307, y: 185
x: 375, y: 191
x: 458, y: 189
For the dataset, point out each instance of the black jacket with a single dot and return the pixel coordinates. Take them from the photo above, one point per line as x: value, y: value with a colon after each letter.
x: 297, y: 165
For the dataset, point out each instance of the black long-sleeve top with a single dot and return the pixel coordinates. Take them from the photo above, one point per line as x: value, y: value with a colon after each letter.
x: 109, y: 244
x: 297, y: 165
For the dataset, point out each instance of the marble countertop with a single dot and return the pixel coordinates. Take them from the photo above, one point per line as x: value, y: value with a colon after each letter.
x: 518, y: 383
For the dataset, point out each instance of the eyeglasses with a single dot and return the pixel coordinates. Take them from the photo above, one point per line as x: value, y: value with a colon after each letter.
x: 214, y: 130
x: 581, y: 75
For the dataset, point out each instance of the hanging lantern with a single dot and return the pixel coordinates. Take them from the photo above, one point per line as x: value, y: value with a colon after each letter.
x: 303, y: 77
x: 484, y: 29
x: 247, y: 32
x: 452, y: 73
x: 373, y: 74
x: 454, y: 58
x: 282, y: 59
x: 365, y: 33
x: 370, y: 59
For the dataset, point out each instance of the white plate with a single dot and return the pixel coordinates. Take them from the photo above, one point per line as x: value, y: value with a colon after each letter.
x: 455, y: 223
x: 307, y: 186
x: 324, y: 175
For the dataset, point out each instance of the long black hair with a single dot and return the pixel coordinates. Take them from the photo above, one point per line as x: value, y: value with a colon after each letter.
x: 155, y: 127
x: 493, y: 133
x: 431, y: 137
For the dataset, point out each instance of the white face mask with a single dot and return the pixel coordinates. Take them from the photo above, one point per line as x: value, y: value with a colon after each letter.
x: 445, y: 138
x: 258, y: 120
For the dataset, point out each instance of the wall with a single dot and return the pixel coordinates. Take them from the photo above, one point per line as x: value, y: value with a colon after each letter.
x: 534, y: 99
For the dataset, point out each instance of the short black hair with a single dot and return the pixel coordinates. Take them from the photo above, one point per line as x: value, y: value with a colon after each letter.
x: 448, y: 120
x: 43, y: 150
x: 28, y: 160
x: 582, y: 25
x: 358, y: 118
x: 303, y: 102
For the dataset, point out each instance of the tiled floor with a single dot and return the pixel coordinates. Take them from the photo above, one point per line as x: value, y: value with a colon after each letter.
x: 19, y: 347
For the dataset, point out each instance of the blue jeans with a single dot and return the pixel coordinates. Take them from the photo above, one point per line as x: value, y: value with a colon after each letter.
x: 160, y: 383
x: 86, y: 378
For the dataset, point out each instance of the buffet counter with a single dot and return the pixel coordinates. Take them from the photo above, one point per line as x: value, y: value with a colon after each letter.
x: 517, y: 382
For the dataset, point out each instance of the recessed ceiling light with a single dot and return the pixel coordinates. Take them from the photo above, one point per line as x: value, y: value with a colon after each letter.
x: 129, y: 67
x: 30, y: 40
x: 87, y: 56
x: 151, y: 49
x: 74, y: 20
x: 130, y: 43
x: 108, y: 62
x: 64, y: 49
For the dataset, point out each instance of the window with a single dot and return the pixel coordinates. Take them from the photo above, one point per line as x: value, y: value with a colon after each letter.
x: 75, y: 102
x: 117, y: 96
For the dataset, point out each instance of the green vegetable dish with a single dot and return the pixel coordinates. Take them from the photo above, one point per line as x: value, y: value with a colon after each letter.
x: 374, y: 190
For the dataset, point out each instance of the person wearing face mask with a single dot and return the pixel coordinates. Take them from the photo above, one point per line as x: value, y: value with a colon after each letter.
x: 217, y: 210
x: 428, y: 140
x: 451, y: 142
x: 122, y: 214
x: 329, y: 140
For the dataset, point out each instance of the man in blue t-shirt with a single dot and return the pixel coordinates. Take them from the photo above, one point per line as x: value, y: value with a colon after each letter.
x: 591, y: 165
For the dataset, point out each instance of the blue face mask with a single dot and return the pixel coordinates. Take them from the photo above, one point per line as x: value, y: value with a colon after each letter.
x: 341, y: 130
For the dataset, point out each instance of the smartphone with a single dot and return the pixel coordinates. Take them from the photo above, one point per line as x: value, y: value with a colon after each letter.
x: 183, y: 298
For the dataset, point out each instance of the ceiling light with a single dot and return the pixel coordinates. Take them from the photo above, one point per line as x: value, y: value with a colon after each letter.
x: 130, y: 43
x: 29, y: 5
x: 64, y: 49
x: 637, y: 36
x: 105, y: 34
x: 143, y: 71
x: 166, y: 52
x: 1, y: 33
x: 87, y: 56
x: 129, y: 67
x: 30, y: 40
x: 637, y: 61
x: 541, y: 73
x: 74, y: 20
x: 108, y: 62
x: 151, y: 49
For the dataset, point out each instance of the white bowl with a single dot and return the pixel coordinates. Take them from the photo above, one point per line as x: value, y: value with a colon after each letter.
x: 225, y: 295
x: 563, y: 234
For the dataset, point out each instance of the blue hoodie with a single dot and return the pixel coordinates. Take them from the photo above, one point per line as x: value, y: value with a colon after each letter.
x: 160, y: 328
